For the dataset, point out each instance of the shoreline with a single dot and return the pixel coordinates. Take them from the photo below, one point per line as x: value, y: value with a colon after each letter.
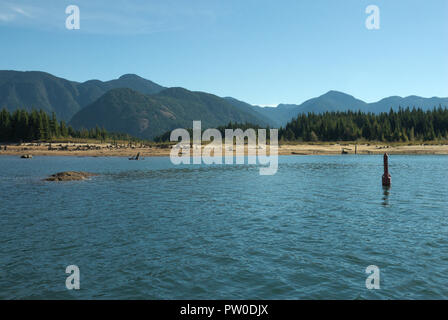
x: 107, y: 150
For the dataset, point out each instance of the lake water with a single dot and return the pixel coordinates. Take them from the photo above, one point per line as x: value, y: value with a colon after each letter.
x: 152, y: 230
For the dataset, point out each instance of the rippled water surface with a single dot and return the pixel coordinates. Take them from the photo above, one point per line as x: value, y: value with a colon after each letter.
x: 152, y: 230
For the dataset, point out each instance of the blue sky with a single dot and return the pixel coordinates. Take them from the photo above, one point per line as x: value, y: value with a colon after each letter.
x: 263, y: 52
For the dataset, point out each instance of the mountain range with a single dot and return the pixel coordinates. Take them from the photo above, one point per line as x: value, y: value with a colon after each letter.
x: 140, y: 107
x: 40, y: 90
x: 146, y: 116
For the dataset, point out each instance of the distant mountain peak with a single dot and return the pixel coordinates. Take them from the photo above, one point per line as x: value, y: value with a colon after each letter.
x: 335, y: 93
x: 129, y: 76
x: 177, y: 89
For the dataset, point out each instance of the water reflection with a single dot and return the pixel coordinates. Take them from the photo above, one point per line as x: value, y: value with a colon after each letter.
x: 386, y: 193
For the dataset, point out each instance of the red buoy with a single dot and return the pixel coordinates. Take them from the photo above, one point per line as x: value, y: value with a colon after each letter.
x: 386, y: 175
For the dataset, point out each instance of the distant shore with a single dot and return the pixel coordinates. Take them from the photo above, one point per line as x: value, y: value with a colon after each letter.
x: 108, y: 150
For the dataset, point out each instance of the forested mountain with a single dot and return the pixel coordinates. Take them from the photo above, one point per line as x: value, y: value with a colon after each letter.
x: 147, y: 116
x: 275, y: 117
x: 93, y: 89
x: 332, y: 101
x: 148, y: 109
x: 339, y: 101
x: 402, y: 125
x: 395, y: 102
x: 40, y: 90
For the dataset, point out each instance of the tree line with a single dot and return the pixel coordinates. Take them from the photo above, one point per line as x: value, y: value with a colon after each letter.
x: 25, y: 126
x: 395, y: 126
x: 231, y: 125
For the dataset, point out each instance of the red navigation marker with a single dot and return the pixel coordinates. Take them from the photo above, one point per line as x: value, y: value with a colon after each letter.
x: 386, y: 175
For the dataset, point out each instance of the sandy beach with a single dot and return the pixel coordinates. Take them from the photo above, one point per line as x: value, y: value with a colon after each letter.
x: 108, y: 150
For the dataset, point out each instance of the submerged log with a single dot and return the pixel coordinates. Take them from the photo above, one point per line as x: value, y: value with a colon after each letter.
x: 137, y: 157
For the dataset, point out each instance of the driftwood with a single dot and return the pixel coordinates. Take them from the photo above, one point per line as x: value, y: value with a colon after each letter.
x: 137, y: 157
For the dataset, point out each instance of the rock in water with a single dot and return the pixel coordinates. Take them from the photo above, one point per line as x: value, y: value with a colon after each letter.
x: 26, y: 156
x: 70, y: 176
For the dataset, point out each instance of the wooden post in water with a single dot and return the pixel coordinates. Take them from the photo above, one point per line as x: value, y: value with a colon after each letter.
x: 386, y: 176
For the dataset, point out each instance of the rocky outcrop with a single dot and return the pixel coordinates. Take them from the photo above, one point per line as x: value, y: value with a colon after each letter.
x: 70, y: 176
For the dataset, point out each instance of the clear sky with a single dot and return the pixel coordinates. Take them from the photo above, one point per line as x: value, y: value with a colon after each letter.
x: 261, y: 51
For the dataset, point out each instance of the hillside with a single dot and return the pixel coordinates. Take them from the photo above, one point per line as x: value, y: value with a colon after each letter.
x: 146, y: 116
x: 40, y: 90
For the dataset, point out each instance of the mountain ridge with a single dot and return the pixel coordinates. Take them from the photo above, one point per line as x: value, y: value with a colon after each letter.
x: 165, y: 107
x: 41, y: 90
x: 339, y: 101
x: 147, y: 116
